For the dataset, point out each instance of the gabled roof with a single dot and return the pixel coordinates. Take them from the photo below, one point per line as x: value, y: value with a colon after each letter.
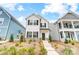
x: 69, y: 15
x: 38, y: 16
x: 12, y: 17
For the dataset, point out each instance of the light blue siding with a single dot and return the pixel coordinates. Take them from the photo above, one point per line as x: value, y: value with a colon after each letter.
x: 14, y: 29
x: 4, y: 26
x: 9, y: 26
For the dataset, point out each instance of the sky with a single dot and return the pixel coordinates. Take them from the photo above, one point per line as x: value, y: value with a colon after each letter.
x: 50, y: 11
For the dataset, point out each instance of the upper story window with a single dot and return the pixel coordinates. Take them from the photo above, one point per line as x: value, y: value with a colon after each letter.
x: 32, y: 22
x: 59, y: 25
x: 1, y: 21
x: 67, y: 25
x: 42, y: 24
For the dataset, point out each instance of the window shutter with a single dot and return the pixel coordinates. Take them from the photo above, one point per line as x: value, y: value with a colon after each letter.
x: 37, y: 22
x: 41, y: 24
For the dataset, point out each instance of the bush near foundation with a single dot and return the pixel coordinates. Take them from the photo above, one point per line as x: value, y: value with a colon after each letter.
x: 68, y: 51
x: 50, y: 39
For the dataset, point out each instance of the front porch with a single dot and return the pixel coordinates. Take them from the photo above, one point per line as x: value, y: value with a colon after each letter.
x: 74, y: 35
x: 44, y: 34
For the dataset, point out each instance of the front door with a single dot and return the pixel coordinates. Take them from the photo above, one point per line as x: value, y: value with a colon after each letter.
x: 43, y: 36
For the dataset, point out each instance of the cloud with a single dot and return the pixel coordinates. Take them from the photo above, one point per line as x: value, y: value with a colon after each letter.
x: 20, y: 8
x: 60, y: 8
x: 21, y: 19
x: 51, y: 8
x: 10, y: 6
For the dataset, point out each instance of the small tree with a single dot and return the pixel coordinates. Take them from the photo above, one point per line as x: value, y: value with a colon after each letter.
x: 50, y: 39
x: 11, y: 38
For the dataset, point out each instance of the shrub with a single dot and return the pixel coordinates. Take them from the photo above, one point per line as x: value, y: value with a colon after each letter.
x: 11, y: 38
x: 17, y: 44
x: 12, y: 50
x: 30, y: 51
x: 30, y: 41
x: 68, y: 51
x: 56, y: 46
x: 50, y: 39
x: 43, y: 51
x: 73, y: 42
x: 21, y: 38
x: 22, y: 51
x: 66, y: 41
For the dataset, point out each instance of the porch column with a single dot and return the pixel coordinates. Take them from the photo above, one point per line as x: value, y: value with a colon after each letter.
x: 72, y: 24
x: 75, y: 35
x: 62, y: 25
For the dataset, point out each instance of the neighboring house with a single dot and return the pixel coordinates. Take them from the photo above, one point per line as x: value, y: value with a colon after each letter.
x: 9, y: 25
x: 37, y: 27
x: 66, y: 27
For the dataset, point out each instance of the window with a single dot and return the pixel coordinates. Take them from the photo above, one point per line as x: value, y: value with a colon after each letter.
x: 32, y: 22
x: 59, y: 25
x: 35, y: 22
x: 35, y: 34
x: 76, y: 24
x: 1, y: 21
x: 42, y: 24
x: 61, y: 34
x: 29, y: 34
x: 67, y: 25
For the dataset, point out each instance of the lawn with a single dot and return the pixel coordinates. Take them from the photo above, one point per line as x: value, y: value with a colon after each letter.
x: 65, y: 48
x: 29, y: 47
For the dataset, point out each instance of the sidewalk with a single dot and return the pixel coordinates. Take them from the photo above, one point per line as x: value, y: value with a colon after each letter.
x: 49, y: 48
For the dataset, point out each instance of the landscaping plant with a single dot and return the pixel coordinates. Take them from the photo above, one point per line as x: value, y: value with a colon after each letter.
x: 43, y: 50
x: 30, y: 40
x: 56, y: 46
x: 12, y: 50
x: 31, y: 50
x: 66, y: 41
x: 50, y: 39
x: 22, y: 51
x: 68, y: 51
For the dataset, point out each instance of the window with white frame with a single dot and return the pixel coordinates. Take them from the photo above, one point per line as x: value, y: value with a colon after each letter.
x: 35, y: 34
x: 42, y: 24
x: 29, y: 34
x: 1, y: 21
x: 32, y: 22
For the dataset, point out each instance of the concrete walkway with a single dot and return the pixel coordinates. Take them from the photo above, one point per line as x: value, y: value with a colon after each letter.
x: 49, y: 48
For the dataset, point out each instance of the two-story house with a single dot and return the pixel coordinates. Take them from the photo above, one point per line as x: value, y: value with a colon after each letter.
x: 66, y: 27
x: 9, y: 25
x: 37, y: 27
